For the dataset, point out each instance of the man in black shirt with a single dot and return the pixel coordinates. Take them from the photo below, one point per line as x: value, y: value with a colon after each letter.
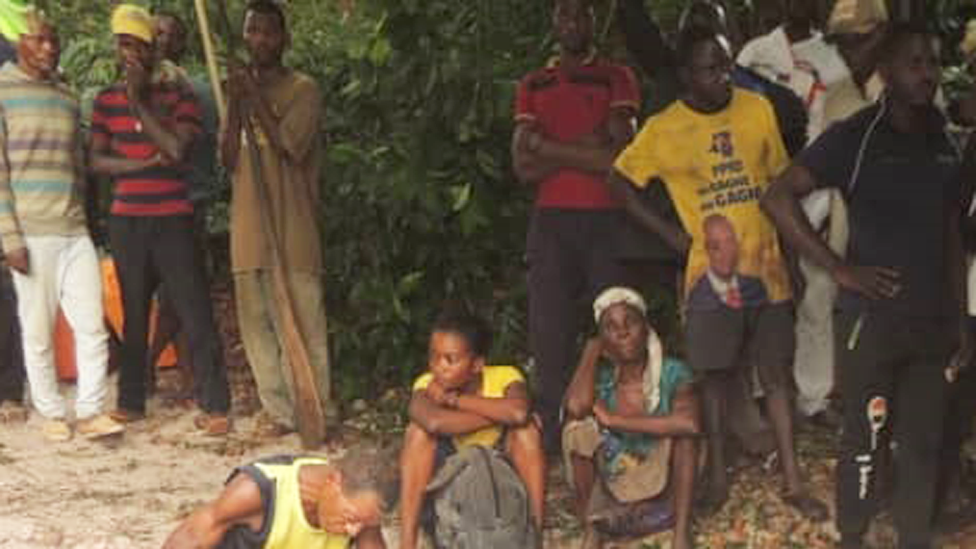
x: 898, y: 316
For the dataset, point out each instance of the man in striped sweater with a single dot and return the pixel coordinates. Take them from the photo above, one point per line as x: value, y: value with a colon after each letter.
x: 44, y: 235
x: 142, y: 129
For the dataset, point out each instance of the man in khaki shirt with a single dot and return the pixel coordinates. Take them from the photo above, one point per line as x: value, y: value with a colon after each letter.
x: 284, y: 107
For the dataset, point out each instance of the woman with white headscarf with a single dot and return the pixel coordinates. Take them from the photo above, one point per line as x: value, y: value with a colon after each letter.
x: 629, y: 438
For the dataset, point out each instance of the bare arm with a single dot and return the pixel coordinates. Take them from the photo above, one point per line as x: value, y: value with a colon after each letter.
x: 674, y: 235
x: 956, y: 256
x: 173, y: 143
x: 370, y: 538
x: 957, y: 270
x: 13, y: 248
x: 782, y: 204
x: 644, y: 40
x: 258, y: 104
x: 239, y: 503
x: 512, y: 409
x: 863, y: 59
x: 529, y: 167
x: 594, y: 154
x: 104, y: 162
x: 230, y: 133
x: 580, y: 394
x: 683, y: 420
x: 440, y: 420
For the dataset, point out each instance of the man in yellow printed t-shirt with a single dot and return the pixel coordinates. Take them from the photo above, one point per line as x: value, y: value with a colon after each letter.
x: 716, y: 149
x: 460, y: 402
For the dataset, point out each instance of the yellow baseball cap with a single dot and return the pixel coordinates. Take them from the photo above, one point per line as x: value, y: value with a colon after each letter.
x: 857, y: 16
x: 134, y: 21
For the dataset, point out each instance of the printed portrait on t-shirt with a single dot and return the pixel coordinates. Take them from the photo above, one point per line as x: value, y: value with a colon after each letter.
x: 723, y: 284
x: 716, y: 167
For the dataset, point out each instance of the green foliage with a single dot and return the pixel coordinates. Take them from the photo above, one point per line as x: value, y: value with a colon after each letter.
x: 421, y: 205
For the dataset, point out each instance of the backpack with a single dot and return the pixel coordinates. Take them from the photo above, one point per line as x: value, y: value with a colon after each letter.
x: 479, y: 502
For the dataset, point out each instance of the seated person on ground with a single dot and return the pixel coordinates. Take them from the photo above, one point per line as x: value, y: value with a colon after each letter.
x: 461, y: 402
x: 632, y: 419
x: 288, y: 501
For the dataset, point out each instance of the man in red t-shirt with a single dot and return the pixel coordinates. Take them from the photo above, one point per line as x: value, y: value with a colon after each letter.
x: 142, y: 129
x: 571, y: 119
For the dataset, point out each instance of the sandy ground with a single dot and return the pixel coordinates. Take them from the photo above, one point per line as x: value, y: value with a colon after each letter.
x: 125, y: 493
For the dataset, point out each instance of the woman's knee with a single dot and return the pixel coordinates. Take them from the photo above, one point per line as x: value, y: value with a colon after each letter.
x: 526, y: 438
x: 417, y: 442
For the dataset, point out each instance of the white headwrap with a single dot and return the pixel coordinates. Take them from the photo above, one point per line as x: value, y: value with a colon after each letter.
x: 614, y: 295
x: 655, y: 352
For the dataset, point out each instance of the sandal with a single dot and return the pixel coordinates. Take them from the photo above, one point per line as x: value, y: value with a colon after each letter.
x: 267, y: 427
x: 811, y: 508
x: 212, y: 425
x: 121, y: 415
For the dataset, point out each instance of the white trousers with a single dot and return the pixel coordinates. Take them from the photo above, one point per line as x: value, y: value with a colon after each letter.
x: 814, y: 359
x: 64, y: 271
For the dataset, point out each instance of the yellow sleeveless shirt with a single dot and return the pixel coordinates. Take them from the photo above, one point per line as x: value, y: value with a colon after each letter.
x: 289, y: 527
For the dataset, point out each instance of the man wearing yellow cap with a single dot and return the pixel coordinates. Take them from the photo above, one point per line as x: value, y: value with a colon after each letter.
x: 142, y: 129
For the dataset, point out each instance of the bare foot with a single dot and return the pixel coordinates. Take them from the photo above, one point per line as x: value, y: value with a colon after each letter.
x: 12, y: 412
x: 591, y: 538
x: 713, y: 500
x: 811, y: 508
x: 682, y: 541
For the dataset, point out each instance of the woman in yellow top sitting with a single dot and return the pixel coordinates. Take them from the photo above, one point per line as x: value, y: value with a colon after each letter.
x: 460, y: 402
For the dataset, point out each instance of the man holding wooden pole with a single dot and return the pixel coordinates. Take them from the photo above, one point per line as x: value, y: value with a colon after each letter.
x: 275, y: 244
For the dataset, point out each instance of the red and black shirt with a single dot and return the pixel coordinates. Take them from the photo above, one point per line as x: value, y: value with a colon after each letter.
x: 157, y: 191
x: 567, y: 105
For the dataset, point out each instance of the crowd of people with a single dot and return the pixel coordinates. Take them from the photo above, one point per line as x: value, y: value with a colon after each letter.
x: 822, y: 208
x: 154, y: 135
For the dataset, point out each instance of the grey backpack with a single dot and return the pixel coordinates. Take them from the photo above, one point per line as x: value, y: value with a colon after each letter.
x: 479, y: 502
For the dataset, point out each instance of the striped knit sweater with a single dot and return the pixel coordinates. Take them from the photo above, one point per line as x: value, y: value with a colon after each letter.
x: 41, y: 170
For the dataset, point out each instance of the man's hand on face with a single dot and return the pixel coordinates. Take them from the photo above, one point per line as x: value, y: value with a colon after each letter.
x: 19, y: 261
x: 136, y: 79
x: 240, y: 81
x: 594, y: 346
x: 871, y: 282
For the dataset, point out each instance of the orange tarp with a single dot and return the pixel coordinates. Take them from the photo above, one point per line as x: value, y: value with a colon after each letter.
x: 64, y: 341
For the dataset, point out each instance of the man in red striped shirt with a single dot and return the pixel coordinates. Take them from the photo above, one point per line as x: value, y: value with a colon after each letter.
x: 142, y: 128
